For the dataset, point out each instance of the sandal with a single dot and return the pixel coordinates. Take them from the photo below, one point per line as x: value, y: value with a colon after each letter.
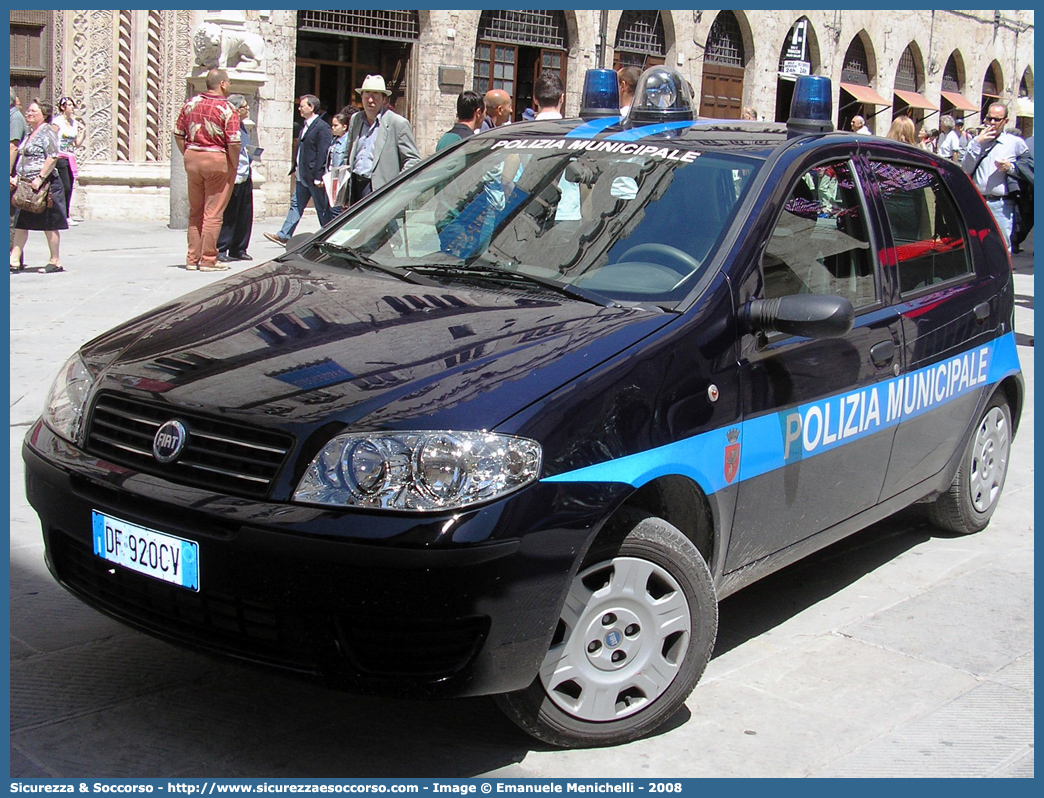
x: 53, y: 267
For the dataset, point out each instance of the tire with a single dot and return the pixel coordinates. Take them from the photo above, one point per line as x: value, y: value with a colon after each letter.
x: 972, y: 497
x: 612, y: 673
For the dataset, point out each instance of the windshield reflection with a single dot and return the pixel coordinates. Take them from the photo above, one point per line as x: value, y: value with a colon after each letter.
x: 628, y: 221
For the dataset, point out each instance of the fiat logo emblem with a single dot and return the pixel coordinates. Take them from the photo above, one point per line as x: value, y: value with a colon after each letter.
x: 169, y: 440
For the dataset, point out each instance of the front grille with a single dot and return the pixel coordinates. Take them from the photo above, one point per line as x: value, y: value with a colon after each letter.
x: 218, y: 455
x: 349, y: 646
x: 249, y: 629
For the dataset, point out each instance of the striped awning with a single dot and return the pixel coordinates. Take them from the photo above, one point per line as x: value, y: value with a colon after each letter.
x: 864, y: 94
x: 959, y: 101
x: 915, y: 100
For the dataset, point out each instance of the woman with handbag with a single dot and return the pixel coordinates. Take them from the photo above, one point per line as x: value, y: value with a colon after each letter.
x: 38, y: 194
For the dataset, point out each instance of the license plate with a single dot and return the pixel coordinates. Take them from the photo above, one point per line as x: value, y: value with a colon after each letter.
x: 146, y: 551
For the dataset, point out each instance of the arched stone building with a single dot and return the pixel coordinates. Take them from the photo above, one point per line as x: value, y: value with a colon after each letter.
x: 130, y: 71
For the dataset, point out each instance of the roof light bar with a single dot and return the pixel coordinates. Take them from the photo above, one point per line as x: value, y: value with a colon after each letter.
x: 662, y: 95
x: 601, y: 96
x: 812, y: 107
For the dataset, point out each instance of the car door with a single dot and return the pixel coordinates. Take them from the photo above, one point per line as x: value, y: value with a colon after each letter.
x: 816, y: 441
x: 948, y: 313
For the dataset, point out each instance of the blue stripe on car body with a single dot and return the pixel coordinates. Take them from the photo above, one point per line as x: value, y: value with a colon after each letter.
x: 781, y: 438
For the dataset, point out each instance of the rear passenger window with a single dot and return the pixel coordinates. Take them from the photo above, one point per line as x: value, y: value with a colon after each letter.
x: 820, y: 244
x: 927, y: 232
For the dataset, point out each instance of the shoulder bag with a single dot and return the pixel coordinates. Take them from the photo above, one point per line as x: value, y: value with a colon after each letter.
x: 26, y: 199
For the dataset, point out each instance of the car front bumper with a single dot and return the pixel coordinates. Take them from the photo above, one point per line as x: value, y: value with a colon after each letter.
x: 452, y: 604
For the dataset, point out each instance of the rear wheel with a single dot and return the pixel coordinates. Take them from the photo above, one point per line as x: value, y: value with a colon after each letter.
x: 636, y: 633
x: 972, y: 497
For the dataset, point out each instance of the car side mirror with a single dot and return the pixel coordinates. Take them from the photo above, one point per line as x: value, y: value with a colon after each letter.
x: 807, y: 315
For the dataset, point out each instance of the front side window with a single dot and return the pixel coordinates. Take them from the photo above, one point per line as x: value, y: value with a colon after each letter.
x: 820, y: 244
x: 928, y: 238
x: 627, y: 221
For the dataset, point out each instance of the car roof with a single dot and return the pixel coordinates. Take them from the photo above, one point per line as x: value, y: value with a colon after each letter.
x: 760, y: 139
x: 699, y: 132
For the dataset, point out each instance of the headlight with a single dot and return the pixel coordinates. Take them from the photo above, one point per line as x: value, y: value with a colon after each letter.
x: 419, y: 471
x: 67, y: 399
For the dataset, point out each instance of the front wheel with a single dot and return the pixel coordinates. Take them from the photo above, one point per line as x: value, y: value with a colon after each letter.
x: 975, y: 491
x: 635, y: 635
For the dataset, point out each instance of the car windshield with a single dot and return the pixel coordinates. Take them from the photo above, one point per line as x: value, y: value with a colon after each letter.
x: 624, y: 222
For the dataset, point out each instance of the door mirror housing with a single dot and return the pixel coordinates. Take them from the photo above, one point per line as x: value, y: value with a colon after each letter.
x: 806, y: 315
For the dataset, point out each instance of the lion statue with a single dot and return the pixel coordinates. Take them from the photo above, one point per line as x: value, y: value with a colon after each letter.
x: 226, y: 48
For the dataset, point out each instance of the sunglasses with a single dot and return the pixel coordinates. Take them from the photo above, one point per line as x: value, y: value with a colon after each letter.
x: 996, y: 118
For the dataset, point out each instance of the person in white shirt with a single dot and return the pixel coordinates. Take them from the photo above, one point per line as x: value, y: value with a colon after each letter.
x: 550, y: 95
x: 989, y: 160
x: 627, y: 82
x: 949, y: 141
x: 859, y: 126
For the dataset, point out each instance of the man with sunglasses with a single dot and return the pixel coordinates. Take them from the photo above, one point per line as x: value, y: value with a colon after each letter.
x: 990, y: 160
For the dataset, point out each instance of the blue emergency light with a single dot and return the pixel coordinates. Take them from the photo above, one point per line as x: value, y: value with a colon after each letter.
x: 812, y: 107
x: 601, y: 96
x: 662, y: 95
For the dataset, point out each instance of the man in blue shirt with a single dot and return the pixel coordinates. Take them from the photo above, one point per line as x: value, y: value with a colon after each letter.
x: 990, y: 160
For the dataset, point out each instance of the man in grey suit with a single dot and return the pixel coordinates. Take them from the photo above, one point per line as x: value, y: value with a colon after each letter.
x: 380, y: 142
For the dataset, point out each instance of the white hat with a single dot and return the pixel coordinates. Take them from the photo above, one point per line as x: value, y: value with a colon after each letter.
x: 374, y: 83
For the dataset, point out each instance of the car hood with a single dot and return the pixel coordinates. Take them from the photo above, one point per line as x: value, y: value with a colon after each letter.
x: 289, y: 345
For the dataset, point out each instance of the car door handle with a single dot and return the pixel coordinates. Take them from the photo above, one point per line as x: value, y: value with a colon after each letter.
x: 982, y: 311
x: 882, y: 353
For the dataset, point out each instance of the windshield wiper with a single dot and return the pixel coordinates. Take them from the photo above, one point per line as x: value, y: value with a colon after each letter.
x: 344, y: 251
x: 496, y: 274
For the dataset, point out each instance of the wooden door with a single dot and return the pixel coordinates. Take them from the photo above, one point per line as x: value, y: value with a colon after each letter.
x: 722, y: 96
x: 551, y: 61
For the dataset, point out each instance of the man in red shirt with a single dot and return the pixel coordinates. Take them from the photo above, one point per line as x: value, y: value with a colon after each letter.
x: 207, y: 133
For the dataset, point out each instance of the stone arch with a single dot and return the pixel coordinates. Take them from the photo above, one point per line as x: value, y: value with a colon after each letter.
x: 728, y: 51
x: 786, y: 73
x: 908, y: 86
x: 513, y: 47
x: 640, y: 39
x: 953, y: 88
x: 670, y: 33
x: 1023, y: 112
x: 857, y: 95
x: 860, y: 46
x: 954, y: 72
x: 992, y: 87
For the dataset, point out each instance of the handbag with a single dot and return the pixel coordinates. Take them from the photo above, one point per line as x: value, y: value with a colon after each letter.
x: 26, y: 199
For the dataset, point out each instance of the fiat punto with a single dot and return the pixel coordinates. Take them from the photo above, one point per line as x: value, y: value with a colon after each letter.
x: 516, y: 423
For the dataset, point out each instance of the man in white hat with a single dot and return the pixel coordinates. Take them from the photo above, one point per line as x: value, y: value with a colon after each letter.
x: 380, y: 142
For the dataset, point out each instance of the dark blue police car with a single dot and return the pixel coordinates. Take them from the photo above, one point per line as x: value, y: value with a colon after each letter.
x: 517, y: 422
